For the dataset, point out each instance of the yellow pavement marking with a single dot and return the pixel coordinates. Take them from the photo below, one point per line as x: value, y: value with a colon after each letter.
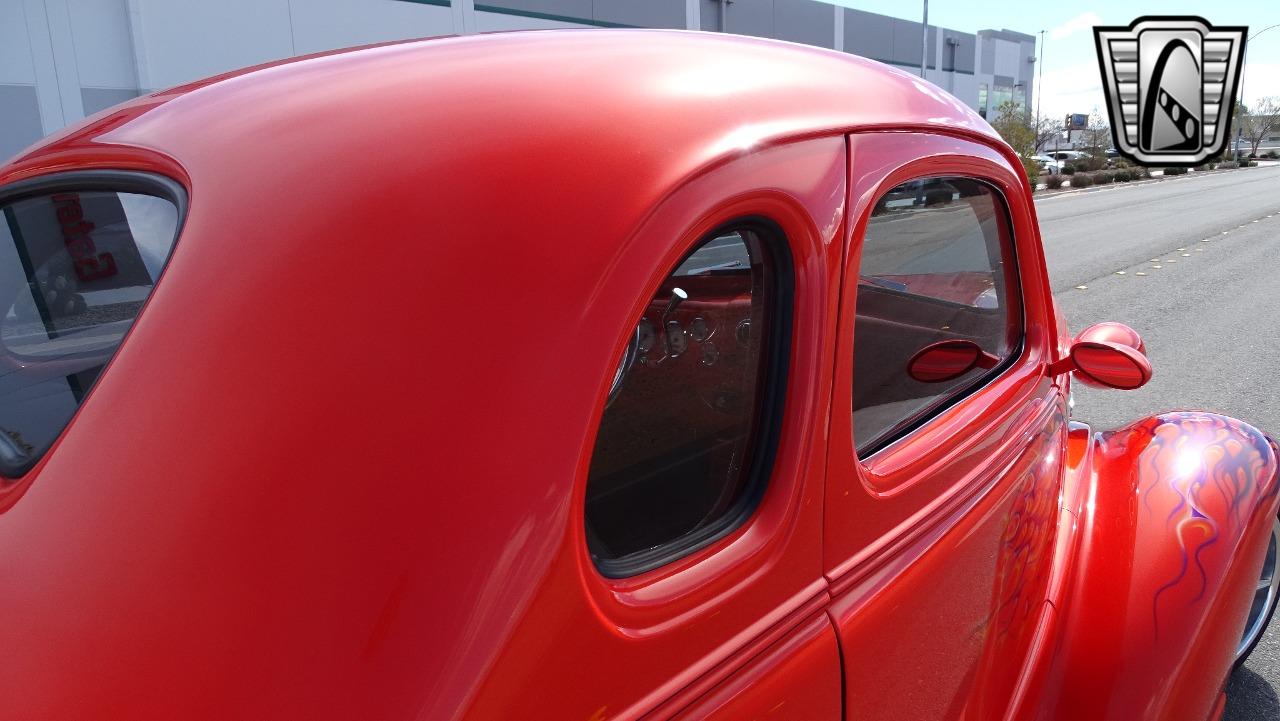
x: 1139, y: 273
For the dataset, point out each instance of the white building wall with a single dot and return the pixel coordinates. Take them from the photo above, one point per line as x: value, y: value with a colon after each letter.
x: 321, y: 26
x: 100, y: 41
x: 488, y: 22
x: 189, y: 39
x: 21, y: 120
x: 1007, y: 55
x: 16, y: 66
x: 964, y: 86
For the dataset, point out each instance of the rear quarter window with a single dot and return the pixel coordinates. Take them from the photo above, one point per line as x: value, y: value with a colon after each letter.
x: 688, y: 435
x: 77, y: 262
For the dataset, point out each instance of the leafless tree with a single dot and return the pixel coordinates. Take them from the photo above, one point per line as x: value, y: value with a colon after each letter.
x: 1097, y: 134
x: 1260, y: 122
x: 1046, y: 131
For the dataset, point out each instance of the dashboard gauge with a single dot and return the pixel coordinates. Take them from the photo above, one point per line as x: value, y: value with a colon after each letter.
x: 700, y: 329
x: 677, y: 341
x: 646, y: 336
x: 710, y: 354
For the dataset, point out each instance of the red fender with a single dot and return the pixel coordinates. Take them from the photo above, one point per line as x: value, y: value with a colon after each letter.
x: 1172, y: 521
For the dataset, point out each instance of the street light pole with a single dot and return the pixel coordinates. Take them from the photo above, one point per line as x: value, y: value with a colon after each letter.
x: 924, y: 43
x: 1039, y: 85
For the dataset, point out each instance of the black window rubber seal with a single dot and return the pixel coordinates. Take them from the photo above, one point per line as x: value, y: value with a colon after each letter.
x: 120, y: 181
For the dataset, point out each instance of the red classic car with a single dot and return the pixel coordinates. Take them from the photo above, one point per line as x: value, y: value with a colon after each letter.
x: 584, y: 375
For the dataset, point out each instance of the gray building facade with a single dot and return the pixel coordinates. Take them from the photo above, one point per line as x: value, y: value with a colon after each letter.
x: 63, y: 60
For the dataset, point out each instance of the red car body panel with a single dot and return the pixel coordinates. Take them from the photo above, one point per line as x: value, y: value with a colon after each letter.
x: 1169, y: 543
x: 337, y: 468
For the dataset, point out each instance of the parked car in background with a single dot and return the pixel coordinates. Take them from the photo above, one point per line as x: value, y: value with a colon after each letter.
x: 1066, y: 155
x: 390, y: 384
x: 1048, y: 164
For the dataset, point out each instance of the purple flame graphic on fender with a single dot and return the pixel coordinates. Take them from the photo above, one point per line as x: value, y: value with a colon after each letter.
x: 1172, y: 527
x: 1201, y: 476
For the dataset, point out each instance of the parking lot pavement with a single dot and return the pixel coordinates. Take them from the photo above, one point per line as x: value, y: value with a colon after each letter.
x: 1192, y: 263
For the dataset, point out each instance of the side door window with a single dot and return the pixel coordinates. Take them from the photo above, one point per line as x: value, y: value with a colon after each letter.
x: 941, y: 496
x: 936, y: 266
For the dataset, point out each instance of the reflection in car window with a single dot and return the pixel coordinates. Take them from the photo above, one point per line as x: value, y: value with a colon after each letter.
x: 679, y: 459
x: 75, y: 268
x: 936, y: 264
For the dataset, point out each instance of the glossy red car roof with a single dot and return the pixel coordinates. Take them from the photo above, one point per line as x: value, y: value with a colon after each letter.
x: 672, y: 99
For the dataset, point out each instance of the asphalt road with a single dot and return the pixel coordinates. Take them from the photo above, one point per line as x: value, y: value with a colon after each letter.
x: 1193, y: 263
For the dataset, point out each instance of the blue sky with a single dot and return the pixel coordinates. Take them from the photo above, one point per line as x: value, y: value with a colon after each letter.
x: 1071, y: 80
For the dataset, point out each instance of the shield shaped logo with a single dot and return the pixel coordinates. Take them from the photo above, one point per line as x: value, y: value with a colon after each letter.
x: 1171, y: 86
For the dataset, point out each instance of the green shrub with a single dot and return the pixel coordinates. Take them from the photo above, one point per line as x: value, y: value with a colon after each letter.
x: 1103, y: 177
x: 1176, y: 170
x: 1031, y: 169
x: 1122, y: 176
x: 1081, y: 180
x: 1273, y: 155
x: 1252, y: 164
x: 1068, y: 170
x: 1138, y: 172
